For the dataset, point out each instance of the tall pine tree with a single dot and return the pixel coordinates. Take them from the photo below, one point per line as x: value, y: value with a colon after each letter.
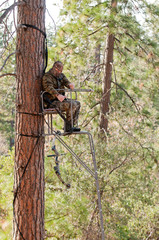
x: 29, y: 143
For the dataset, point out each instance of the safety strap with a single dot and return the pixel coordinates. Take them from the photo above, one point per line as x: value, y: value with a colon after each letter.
x: 44, y: 34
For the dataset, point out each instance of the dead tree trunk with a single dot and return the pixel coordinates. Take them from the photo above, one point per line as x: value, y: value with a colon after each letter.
x: 106, y: 85
x: 28, y: 222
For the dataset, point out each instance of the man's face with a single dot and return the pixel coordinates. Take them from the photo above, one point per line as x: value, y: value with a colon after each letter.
x: 58, y: 68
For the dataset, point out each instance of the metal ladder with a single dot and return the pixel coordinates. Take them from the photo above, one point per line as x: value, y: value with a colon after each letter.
x: 93, y: 174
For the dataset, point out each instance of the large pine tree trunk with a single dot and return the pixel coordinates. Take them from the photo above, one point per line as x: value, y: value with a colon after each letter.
x: 29, y: 143
x: 106, y: 91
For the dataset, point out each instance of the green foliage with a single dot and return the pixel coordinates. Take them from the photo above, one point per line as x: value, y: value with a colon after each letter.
x: 128, y: 161
x: 6, y: 196
x: 66, y: 209
x: 7, y: 83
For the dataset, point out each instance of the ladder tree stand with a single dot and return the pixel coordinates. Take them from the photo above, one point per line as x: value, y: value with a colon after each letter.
x: 48, y: 118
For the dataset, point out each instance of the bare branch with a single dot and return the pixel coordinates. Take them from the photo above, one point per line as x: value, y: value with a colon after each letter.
x: 10, y: 9
x: 52, y: 21
x: 14, y: 18
x: 97, y: 30
x: 7, y: 36
x: 84, y: 125
x: 3, y: 3
x: 127, y: 95
x: 8, y: 74
x: 6, y: 60
x: 122, y: 163
x: 94, y: 105
x: 130, y: 134
x: 92, y: 71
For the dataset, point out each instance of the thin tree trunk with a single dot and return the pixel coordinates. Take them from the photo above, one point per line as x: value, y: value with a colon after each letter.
x: 106, y: 85
x: 28, y: 201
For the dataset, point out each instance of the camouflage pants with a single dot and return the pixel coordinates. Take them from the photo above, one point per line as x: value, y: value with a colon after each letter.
x: 71, y: 107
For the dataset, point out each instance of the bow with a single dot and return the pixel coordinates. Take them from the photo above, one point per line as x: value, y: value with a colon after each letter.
x: 57, y: 168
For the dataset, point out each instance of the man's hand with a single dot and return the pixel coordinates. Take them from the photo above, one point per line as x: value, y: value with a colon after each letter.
x: 72, y: 86
x: 60, y: 97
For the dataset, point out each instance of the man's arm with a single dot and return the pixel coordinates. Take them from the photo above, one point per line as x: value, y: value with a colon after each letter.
x: 67, y: 83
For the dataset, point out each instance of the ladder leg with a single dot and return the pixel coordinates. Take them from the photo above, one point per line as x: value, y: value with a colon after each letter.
x: 51, y: 124
x: 97, y: 184
x: 48, y: 122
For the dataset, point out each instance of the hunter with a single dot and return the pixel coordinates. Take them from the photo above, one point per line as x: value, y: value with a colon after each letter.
x: 55, y: 79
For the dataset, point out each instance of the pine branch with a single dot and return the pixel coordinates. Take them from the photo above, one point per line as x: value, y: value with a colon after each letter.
x: 124, y: 47
x: 128, y: 34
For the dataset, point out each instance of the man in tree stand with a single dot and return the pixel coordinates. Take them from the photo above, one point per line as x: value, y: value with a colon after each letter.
x: 55, y: 79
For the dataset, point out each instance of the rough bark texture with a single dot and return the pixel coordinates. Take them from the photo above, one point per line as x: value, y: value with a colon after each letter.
x: 107, y: 83
x: 105, y: 102
x: 29, y: 144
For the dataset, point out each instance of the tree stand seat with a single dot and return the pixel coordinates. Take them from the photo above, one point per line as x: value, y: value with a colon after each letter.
x: 50, y: 111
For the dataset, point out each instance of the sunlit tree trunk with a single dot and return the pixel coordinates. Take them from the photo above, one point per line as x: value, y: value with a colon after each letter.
x: 106, y: 85
x: 29, y: 144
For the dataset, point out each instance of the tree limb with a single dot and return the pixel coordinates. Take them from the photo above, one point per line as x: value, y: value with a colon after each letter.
x: 97, y: 30
x: 92, y: 71
x: 3, y: 3
x: 6, y: 60
x: 128, y: 34
x: 89, y: 120
x: 122, y: 163
x: 127, y: 95
x: 124, y: 47
x: 52, y: 21
x: 8, y: 74
x: 10, y: 9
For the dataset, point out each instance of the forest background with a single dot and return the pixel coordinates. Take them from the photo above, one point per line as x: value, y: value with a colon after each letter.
x: 127, y: 150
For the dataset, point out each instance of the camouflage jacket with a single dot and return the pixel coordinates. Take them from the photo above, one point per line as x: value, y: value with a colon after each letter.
x: 50, y: 83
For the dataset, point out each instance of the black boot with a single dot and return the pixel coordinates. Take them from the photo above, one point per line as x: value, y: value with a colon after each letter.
x: 76, y: 129
x: 67, y: 127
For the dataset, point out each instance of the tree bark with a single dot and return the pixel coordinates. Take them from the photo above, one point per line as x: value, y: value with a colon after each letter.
x: 106, y: 85
x: 28, y: 204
